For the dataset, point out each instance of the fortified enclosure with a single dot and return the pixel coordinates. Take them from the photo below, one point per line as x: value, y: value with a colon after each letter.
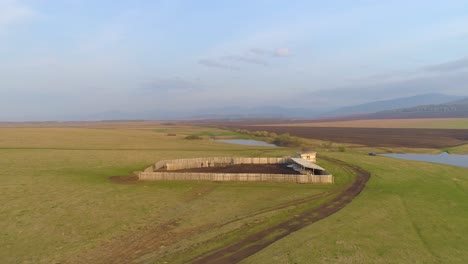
x: 283, y: 169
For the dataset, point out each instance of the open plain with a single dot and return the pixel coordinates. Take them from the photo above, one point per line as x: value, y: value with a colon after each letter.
x: 68, y: 196
x: 222, y: 132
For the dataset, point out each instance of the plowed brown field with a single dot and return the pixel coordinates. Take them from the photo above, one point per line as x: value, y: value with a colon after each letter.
x: 378, y: 137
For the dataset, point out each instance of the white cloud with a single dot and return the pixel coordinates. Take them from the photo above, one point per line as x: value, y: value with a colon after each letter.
x: 254, y: 56
x: 448, y: 78
x: 282, y: 52
x: 245, y: 59
x: 279, y: 52
x: 216, y: 64
x: 14, y: 12
x: 450, y: 66
x: 171, y: 85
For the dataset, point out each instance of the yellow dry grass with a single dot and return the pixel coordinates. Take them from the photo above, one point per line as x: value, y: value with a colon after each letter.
x: 58, y: 202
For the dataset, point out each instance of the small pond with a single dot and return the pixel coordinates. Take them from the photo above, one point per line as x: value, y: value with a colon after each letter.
x: 443, y: 158
x: 246, y: 142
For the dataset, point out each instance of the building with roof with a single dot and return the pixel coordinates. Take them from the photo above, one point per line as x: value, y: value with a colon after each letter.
x: 307, y: 167
x: 310, y: 156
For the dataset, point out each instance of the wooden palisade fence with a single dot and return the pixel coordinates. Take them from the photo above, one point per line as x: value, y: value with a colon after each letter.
x: 152, y: 174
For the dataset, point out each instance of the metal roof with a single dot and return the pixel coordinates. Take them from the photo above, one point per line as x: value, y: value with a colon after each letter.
x: 307, y: 164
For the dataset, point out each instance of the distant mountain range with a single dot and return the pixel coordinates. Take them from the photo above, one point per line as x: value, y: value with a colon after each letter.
x: 275, y: 112
x: 424, y: 105
x: 403, y: 102
x: 458, y: 108
x: 229, y: 112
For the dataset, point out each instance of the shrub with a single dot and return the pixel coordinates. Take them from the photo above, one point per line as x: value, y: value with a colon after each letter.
x: 341, y: 149
x: 287, y: 140
x: 193, y: 137
x: 260, y: 133
x: 307, y: 149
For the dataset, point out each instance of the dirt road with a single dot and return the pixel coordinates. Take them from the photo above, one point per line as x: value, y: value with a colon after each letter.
x: 254, y: 243
x: 139, y: 246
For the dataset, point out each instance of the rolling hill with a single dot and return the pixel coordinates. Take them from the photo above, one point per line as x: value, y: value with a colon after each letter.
x: 397, y: 103
x: 452, y: 109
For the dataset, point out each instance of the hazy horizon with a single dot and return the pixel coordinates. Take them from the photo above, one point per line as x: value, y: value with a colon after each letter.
x: 69, y: 60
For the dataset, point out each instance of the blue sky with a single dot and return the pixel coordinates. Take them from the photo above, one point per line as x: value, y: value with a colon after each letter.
x: 75, y: 58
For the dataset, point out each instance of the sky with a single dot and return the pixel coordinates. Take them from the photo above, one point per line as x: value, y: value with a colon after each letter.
x: 78, y: 59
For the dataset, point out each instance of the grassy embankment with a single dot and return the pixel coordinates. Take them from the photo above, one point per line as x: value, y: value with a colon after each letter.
x: 463, y: 149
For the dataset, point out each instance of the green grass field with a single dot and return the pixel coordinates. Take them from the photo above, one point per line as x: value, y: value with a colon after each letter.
x: 410, y: 212
x: 59, y: 206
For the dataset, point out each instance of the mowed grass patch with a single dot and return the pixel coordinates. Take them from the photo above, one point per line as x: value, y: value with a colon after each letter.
x: 59, y: 204
x: 410, y: 212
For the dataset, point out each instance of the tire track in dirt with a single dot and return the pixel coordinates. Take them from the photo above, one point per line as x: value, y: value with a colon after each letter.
x: 278, y: 207
x: 132, y: 247
x: 254, y: 243
x: 137, y: 244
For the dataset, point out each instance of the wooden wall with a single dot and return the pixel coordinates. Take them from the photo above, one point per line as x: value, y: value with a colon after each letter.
x: 238, y: 177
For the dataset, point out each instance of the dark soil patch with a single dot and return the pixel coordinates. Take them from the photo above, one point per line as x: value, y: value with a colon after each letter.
x: 245, y: 168
x: 377, y: 137
x: 124, y: 179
